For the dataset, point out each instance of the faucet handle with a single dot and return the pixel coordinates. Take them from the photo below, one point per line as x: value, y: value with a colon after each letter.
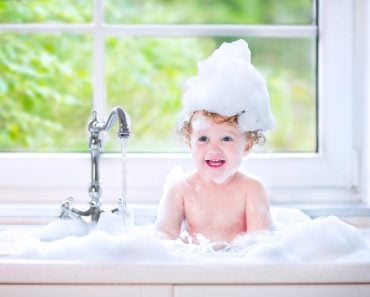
x: 66, y: 208
x: 96, y: 126
x: 94, y: 114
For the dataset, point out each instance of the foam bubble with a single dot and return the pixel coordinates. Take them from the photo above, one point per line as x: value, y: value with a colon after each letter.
x: 200, y: 124
x: 323, y: 239
x: 283, y: 217
x: 61, y: 228
x: 228, y: 84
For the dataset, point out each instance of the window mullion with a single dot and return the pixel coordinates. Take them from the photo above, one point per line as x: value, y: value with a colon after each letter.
x: 98, y: 57
x: 293, y: 31
x: 47, y: 28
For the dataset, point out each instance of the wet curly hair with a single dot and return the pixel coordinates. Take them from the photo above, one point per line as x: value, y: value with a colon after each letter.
x: 256, y: 137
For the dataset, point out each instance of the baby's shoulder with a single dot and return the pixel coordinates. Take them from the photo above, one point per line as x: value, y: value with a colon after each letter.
x: 191, y: 180
x: 249, y: 181
x: 254, y: 189
x: 177, y: 180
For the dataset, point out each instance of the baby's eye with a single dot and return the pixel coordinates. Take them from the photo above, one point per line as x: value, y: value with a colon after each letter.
x: 227, y: 139
x: 203, y: 138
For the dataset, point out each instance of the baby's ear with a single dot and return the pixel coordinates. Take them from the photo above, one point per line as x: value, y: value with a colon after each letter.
x: 248, y: 146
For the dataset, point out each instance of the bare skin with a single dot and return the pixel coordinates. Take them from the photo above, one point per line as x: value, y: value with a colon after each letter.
x: 217, y: 201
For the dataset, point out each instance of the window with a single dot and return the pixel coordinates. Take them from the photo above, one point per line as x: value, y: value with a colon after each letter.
x: 103, y: 53
x: 142, y: 67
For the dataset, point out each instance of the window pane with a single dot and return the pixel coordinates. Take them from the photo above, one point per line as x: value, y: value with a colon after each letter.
x: 289, y: 66
x: 45, y: 92
x: 209, y: 11
x: 44, y: 11
x: 144, y: 75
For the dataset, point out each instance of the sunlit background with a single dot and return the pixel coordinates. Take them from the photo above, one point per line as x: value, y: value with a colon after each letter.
x: 46, y: 91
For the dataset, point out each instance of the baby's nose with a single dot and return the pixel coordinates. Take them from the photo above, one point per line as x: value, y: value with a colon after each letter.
x: 214, y: 149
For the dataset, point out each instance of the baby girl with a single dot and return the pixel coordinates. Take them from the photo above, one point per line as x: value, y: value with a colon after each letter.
x: 225, y: 111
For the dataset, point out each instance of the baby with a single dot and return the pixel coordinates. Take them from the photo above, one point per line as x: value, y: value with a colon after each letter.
x: 225, y: 112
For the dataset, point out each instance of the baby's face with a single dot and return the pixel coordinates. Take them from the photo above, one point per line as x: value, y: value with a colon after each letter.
x: 217, y: 149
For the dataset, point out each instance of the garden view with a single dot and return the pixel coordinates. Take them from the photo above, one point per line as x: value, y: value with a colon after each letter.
x: 46, y: 91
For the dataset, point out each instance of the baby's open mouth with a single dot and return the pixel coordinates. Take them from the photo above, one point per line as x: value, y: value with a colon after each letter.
x: 215, y: 163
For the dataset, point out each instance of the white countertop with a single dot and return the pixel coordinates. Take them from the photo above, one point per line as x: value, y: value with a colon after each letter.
x: 62, y: 272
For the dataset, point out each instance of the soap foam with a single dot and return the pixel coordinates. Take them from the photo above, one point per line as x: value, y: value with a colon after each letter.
x: 319, y: 240
x: 228, y: 84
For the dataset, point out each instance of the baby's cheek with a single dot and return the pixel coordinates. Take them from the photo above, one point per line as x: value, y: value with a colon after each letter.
x: 237, y: 154
x: 195, y: 146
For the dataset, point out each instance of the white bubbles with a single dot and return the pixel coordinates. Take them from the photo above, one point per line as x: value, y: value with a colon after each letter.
x: 98, y: 245
x: 298, y: 239
x: 268, y: 252
x: 288, y: 216
x: 323, y: 239
x: 228, y: 84
x: 200, y: 124
x: 61, y: 228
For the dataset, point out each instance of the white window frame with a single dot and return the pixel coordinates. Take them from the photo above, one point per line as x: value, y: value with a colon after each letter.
x: 336, y: 174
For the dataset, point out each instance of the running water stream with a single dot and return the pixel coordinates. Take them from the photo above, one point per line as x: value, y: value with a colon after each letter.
x: 125, y: 208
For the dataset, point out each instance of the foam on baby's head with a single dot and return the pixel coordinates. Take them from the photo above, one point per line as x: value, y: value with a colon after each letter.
x: 228, y: 84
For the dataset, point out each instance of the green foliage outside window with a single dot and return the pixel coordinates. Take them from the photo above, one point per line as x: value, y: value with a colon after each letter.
x: 154, y: 99
x: 209, y: 11
x: 45, y: 91
x: 45, y: 11
x: 46, y: 86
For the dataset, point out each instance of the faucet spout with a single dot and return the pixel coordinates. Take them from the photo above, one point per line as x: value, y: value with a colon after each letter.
x: 96, y: 126
x: 123, y: 123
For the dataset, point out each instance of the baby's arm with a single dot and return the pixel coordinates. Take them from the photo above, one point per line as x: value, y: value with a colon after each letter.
x: 257, y: 208
x: 170, y: 213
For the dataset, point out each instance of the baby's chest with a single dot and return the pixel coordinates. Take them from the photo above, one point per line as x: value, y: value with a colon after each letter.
x: 213, y: 211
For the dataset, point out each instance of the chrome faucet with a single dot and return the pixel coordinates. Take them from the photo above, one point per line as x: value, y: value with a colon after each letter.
x: 95, y: 128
